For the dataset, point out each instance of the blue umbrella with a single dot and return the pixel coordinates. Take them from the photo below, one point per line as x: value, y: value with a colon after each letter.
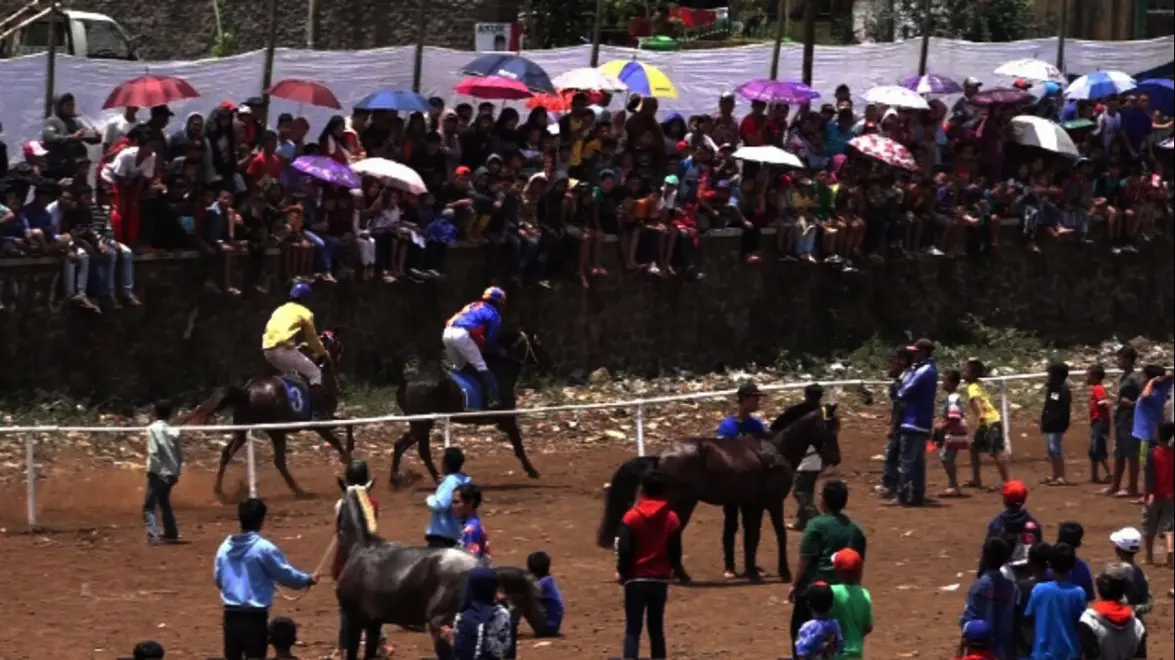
x: 1100, y: 84
x: 1162, y: 93
x: 512, y: 67
x: 393, y: 99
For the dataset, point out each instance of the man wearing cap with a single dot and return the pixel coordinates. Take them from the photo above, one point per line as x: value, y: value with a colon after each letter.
x: 1014, y: 524
x: 743, y: 422
x: 964, y: 114
x: 917, y: 397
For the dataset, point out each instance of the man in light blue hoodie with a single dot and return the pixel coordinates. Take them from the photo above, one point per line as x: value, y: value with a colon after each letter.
x: 443, y: 529
x: 916, y: 395
x: 248, y: 567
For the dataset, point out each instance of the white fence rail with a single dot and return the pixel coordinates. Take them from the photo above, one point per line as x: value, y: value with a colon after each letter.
x: 31, y: 432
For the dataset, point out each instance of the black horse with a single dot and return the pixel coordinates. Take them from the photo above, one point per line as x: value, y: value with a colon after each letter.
x: 750, y: 472
x: 432, y: 396
x: 267, y: 400
x: 415, y: 588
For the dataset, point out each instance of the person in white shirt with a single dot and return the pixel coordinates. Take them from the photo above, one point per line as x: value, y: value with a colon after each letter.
x: 1109, y: 125
x: 118, y: 127
x: 165, y: 459
x: 129, y: 173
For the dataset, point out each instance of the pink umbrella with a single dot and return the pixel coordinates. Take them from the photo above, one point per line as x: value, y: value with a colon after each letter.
x: 885, y: 150
x: 493, y: 88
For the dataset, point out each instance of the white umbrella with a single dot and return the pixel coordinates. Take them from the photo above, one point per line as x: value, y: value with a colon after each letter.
x: 1030, y: 69
x: 588, y: 78
x: 397, y: 174
x: 1169, y: 143
x: 1039, y: 132
x: 769, y: 155
x: 1100, y: 84
x: 896, y: 96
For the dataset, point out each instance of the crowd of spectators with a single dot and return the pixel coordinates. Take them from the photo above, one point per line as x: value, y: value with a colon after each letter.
x: 540, y: 194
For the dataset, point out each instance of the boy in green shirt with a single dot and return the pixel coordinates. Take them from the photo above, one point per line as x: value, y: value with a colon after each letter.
x: 852, y: 606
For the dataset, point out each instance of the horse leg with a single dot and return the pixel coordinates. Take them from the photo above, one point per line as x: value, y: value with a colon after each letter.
x: 329, y: 435
x: 371, y: 650
x: 752, y: 526
x: 440, y: 646
x: 353, y: 632
x: 423, y: 434
x: 510, y: 427
x: 279, y: 462
x: 775, y: 510
x: 684, y: 509
x: 398, y: 450
x: 226, y: 455
x: 350, y: 440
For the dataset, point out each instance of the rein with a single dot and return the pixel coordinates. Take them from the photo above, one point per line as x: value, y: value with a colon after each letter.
x: 317, y: 572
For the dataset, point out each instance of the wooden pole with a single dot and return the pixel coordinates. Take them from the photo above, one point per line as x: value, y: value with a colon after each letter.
x: 926, y: 30
x: 51, y: 60
x: 418, y: 59
x: 267, y: 72
x: 1062, y: 31
x: 597, y: 24
x: 809, y: 39
x: 781, y: 26
x: 891, y: 23
x: 311, y: 23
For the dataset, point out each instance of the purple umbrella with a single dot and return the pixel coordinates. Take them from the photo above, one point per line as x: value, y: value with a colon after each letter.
x: 327, y: 169
x: 1003, y: 96
x: 931, y: 84
x: 775, y: 91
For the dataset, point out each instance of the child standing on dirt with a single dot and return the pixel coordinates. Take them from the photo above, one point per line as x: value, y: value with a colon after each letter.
x: 951, y: 431
x: 820, y: 637
x: 1127, y: 542
x: 165, y: 458
x: 1056, y: 606
x: 539, y: 565
x: 992, y: 597
x: 852, y: 606
x: 1099, y: 423
x: 989, y: 433
x: 466, y: 502
x: 1054, y: 419
x: 1159, y: 497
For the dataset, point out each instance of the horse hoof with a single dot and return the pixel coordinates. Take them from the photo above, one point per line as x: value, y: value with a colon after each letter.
x: 533, y: 474
x: 785, y: 577
x: 684, y: 579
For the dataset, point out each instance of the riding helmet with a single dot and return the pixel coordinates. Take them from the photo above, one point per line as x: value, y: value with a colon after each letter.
x: 494, y: 294
x: 300, y: 290
x: 357, y: 473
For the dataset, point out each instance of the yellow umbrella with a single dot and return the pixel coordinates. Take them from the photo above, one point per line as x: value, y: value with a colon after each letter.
x: 644, y: 79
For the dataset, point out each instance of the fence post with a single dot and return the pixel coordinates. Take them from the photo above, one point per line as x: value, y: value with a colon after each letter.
x: 30, y: 458
x: 448, y: 432
x: 1005, y: 418
x: 640, y: 429
x: 251, y: 464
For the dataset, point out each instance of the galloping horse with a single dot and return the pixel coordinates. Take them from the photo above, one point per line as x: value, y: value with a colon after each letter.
x: 750, y: 472
x: 414, y: 588
x: 279, y: 398
x: 446, y: 395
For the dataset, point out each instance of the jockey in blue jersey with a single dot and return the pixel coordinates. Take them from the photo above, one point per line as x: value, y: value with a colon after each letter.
x: 472, y: 333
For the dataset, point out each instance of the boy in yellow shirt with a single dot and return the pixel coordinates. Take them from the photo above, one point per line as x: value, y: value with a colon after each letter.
x: 989, y: 436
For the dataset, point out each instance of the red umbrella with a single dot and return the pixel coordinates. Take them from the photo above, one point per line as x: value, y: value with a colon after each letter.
x: 560, y: 102
x: 150, y: 90
x: 493, y: 88
x: 305, y: 91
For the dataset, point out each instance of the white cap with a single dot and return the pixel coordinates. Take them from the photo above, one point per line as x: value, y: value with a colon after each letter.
x: 1127, y: 539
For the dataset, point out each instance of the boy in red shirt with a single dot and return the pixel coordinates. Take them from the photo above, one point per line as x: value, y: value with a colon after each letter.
x: 1159, y: 495
x: 648, y: 546
x: 1099, y: 422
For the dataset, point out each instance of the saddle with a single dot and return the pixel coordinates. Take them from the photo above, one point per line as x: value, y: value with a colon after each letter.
x: 469, y: 382
x: 300, y: 397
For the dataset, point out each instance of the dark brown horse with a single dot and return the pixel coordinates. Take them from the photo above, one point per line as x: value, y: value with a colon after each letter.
x: 432, y: 396
x: 749, y: 472
x: 266, y: 400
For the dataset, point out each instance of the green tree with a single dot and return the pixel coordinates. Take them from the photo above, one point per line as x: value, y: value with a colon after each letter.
x: 556, y: 23
x: 972, y: 20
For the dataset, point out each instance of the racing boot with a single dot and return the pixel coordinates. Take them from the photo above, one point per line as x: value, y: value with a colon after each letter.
x: 489, y: 385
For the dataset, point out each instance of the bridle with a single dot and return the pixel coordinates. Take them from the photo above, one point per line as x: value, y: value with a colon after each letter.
x: 529, y: 356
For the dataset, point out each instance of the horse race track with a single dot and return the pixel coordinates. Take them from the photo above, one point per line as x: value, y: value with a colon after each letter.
x: 91, y: 587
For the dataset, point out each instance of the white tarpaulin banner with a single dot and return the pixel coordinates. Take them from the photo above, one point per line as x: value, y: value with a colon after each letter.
x: 700, y: 75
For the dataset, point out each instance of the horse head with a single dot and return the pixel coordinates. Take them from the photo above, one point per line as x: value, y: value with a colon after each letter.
x: 828, y: 432
x: 819, y: 429
x: 333, y: 344
x: 356, y: 517
x: 525, y: 349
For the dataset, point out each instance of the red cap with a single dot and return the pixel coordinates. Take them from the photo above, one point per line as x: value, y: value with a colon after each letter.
x: 1015, y: 492
x: 1021, y: 84
x: 461, y: 171
x: 846, y: 561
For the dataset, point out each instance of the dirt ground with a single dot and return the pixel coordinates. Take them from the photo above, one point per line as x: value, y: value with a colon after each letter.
x: 91, y: 587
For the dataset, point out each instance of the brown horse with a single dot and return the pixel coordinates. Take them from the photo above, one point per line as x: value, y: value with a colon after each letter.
x: 431, y: 396
x: 749, y: 472
x: 267, y: 400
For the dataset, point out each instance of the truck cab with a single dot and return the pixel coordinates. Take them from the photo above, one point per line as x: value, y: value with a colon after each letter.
x: 77, y: 33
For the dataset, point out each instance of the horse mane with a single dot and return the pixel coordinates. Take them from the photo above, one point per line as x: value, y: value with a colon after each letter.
x: 360, y: 513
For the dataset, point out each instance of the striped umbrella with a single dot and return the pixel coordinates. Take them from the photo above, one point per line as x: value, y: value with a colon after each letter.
x: 642, y: 78
x: 931, y: 84
x: 1100, y: 84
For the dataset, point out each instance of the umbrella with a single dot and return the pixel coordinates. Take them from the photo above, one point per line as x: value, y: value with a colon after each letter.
x: 1162, y: 93
x: 560, y: 102
x: 397, y: 174
x: 931, y: 84
x: 493, y: 88
x: 1039, y: 132
x: 325, y: 168
x: 1077, y: 124
x: 150, y: 90
x: 770, y: 155
x: 1168, y: 144
x: 642, y: 78
x: 305, y: 91
x: 1000, y: 96
x: 1100, y: 84
x: 896, y: 96
x: 393, y: 99
x: 512, y: 67
x: 588, y: 78
x: 1030, y: 69
x: 885, y: 150
x: 775, y: 91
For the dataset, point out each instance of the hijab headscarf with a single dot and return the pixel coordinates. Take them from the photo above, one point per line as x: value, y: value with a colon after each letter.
x: 483, y: 629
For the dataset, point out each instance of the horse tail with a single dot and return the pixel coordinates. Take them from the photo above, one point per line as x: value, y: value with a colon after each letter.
x: 224, y: 397
x: 522, y: 590
x: 621, y: 494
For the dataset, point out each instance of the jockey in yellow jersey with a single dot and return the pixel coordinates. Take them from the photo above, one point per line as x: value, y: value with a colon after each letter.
x: 289, y: 323
x: 472, y: 332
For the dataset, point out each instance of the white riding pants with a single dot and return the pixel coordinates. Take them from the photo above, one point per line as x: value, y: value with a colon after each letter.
x: 287, y: 359
x: 462, y: 350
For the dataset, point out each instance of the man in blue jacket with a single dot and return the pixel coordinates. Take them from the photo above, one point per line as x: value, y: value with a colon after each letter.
x: 443, y: 529
x: 916, y: 394
x: 248, y: 567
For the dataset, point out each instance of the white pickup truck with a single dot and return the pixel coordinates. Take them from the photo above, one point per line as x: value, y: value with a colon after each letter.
x: 78, y: 33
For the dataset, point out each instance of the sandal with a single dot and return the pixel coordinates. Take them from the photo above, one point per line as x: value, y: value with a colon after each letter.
x: 951, y: 492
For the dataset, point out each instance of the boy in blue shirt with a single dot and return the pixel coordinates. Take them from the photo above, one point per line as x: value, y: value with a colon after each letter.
x: 1148, y: 410
x: 443, y: 530
x: 474, y: 540
x: 1056, y: 608
x: 539, y: 565
x: 992, y: 597
x: 1072, y: 534
x: 742, y: 423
